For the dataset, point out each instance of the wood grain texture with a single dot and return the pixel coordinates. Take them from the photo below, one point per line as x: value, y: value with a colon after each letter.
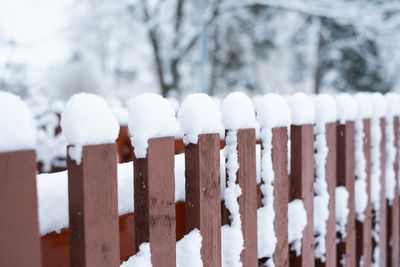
x: 203, y: 196
x: 330, y: 256
x: 154, y: 184
x: 392, y: 244
x: 363, y: 229
x: 302, y: 187
x: 346, y: 178
x: 19, y: 227
x: 93, y: 207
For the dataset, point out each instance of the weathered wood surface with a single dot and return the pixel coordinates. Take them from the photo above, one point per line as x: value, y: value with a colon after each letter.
x: 19, y: 227
x: 154, y: 184
x: 363, y: 229
x: 302, y: 187
x: 93, y: 207
x: 203, y: 195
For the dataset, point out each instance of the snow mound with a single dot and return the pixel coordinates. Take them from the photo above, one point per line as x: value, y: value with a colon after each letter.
x: 237, y: 112
x: 325, y: 108
x: 341, y: 209
x: 346, y: 108
x: 188, y: 250
x: 199, y: 114
x: 150, y: 116
x: 302, y: 108
x: 18, y: 130
x: 272, y: 111
x: 140, y: 259
x: 297, y: 222
x: 87, y: 120
x: 364, y: 105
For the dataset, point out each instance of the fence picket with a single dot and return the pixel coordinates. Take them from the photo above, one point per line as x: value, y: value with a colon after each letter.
x: 364, y: 229
x: 302, y: 187
x: 93, y: 207
x: 155, y: 220
x: 19, y: 228
x: 203, y: 196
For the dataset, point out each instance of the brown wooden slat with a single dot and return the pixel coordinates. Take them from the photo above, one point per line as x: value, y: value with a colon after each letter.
x: 392, y: 244
x: 302, y: 187
x: 93, y: 207
x: 19, y: 228
x: 281, y: 194
x: 155, y: 201
x: 346, y: 177
x: 203, y: 196
x: 363, y: 229
x: 330, y: 257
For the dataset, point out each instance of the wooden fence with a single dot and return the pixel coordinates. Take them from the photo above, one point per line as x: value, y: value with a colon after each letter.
x: 98, y: 237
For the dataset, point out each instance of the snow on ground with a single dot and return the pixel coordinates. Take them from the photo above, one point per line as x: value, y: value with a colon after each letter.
x: 325, y: 112
x: 18, y: 130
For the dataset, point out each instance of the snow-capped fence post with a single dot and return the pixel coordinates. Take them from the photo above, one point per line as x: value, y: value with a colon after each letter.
x: 19, y: 226
x: 302, y: 174
x: 393, y: 208
x: 273, y: 115
x: 92, y: 181
x: 241, y: 192
x: 200, y: 121
x: 153, y: 125
x: 391, y: 177
x: 325, y: 180
x: 155, y: 201
x: 344, y: 195
x: 362, y: 187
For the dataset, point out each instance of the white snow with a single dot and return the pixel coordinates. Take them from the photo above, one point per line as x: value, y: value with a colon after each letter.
x: 272, y: 111
x: 302, y: 108
x: 188, y: 250
x: 341, y: 209
x: 53, y: 197
x: 393, y: 108
x: 237, y: 112
x: 18, y: 130
x: 325, y: 112
x: 199, y: 114
x: 346, y: 108
x: 360, y: 187
x: 297, y: 222
x: 150, y: 116
x: 232, y: 236
x: 140, y: 259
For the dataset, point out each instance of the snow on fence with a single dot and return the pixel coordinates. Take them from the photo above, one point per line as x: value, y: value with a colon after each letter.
x: 321, y: 190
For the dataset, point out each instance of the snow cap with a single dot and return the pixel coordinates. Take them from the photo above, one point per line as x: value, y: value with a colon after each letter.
x: 237, y: 112
x: 272, y: 111
x: 325, y: 108
x: 302, y: 108
x: 88, y: 120
x: 364, y: 105
x: 150, y: 116
x: 346, y: 108
x: 392, y: 104
x: 199, y: 114
x: 18, y: 130
x: 378, y: 105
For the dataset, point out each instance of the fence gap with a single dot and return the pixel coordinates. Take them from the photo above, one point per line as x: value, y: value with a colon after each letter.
x: 19, y: 227
x: 364, y: 229
x: 203, y: 195
x: 302, y: 187
x: 346, y: 177
x: 330, y: 257
x: 93, y: 207
x: 392, y: 244
x: 154, y: 189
